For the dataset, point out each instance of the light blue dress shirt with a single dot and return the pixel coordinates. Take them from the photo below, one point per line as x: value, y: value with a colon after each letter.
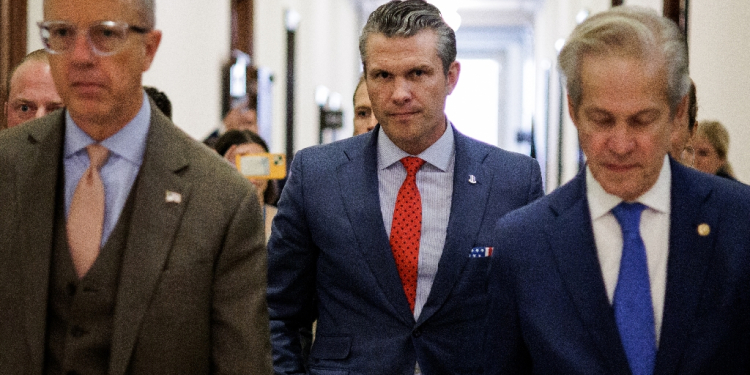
x: 126, y: 149
x: 435, y: 184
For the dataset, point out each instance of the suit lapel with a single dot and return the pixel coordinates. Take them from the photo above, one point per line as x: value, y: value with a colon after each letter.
x: 572, y: 243
x: 687, y: 264
x: 358, y: 181
x: 464, y: 222
x: 153, y: 225
x: 37, y: 194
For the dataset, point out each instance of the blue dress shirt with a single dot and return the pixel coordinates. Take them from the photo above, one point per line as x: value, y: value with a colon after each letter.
x: 126, y: 149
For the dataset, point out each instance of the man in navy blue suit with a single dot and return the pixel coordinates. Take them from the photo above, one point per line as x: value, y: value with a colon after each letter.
x: 336, y: 252
x: 577, y: 285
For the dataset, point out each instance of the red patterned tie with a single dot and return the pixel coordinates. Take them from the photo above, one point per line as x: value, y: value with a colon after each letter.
x: 406, y: 229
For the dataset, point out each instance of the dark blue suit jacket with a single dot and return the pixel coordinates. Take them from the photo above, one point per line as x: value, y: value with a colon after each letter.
x: 330, y: 259
x: 549, y: 309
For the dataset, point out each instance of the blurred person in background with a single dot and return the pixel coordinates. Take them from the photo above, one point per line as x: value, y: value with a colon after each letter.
x: 242, y: 115
x: 160, y: 99
x: 31, y: 90
x: 364, y: 118
x: 236, y: 142
x: 711, y: 144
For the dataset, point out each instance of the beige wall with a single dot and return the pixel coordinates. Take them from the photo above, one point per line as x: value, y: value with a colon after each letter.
x: 326, y: 54
x: 720, y: 67
x: 553, y: 24
x: 187, y: 67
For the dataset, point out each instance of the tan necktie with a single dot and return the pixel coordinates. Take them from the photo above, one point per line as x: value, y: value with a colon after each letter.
x: 86, y: 216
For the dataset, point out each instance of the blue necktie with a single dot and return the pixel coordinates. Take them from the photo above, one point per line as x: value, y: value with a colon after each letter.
x: 634, y: 312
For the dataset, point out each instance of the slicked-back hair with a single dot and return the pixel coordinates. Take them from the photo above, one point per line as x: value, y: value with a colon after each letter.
x: 406, y: 18
x: 38, y: 55
x: 629, y: 32
x: 146, y: 11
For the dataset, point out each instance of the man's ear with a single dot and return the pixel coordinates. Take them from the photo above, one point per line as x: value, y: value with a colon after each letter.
x: 453, y: 72
x: 572, y: 111
x: 152, y: 41
x: 680, y: 117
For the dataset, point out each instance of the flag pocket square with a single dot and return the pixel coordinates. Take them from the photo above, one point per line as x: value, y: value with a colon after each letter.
x: 481, y: 252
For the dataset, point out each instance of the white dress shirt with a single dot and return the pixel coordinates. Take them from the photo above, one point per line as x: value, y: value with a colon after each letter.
x: 654, y: 230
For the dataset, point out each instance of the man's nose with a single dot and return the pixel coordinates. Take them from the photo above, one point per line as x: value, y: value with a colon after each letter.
x: 401, y: 90
x: 81, y: 50
x: 621, y: 140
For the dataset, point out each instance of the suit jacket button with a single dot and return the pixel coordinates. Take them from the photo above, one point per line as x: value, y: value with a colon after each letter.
x: 71, y: 289
x: 77, y: 331
x: 417, y: 332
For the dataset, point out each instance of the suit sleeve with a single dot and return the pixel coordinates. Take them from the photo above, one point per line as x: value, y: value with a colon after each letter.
x: 291, y: 276
x: 239, y: 322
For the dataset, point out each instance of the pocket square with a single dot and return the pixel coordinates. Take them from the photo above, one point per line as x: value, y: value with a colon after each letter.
x: 481, y: 252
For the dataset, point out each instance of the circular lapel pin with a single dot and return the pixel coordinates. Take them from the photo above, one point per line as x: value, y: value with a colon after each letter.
x: 704, y: 230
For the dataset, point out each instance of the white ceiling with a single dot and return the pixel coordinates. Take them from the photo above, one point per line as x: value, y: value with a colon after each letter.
x: 479, y: 12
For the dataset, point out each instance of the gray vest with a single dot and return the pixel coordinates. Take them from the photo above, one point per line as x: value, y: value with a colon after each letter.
x: 80, y: 312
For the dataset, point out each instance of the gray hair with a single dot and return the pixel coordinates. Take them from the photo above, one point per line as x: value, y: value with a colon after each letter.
x: 399, y: 18
x: 146, y: 11
x: 628, y: 31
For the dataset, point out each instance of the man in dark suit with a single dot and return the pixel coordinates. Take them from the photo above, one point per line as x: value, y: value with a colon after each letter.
x: 639, y: 264
x: 392, y: 282
x: 151, y: 263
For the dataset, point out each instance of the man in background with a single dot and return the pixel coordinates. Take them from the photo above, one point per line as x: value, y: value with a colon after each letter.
x: 639, y: 265
x: 364, y: 118
x: 125, y: 246
x: 383, y: 238
x: 242, y: 115
x: 31, y: 91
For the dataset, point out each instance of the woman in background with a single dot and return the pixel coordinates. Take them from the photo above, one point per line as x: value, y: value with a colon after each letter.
x: 235, y: 142
x: 711, y: 144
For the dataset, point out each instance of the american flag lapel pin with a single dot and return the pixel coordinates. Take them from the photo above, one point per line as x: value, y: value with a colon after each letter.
x: 173, y: 197
x: 481, y: 252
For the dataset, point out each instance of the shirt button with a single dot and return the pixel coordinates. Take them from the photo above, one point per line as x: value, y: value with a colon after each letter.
x: 77, y: 331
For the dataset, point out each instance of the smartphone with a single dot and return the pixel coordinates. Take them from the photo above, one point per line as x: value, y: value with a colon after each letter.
x: 262, y: 166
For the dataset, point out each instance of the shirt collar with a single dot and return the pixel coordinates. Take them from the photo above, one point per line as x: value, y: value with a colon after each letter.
x: 128, y: 143
x: 658, y: 197
x: 439, y: 154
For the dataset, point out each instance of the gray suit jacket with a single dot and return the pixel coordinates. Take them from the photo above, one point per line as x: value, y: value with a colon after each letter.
x: 192, y: 286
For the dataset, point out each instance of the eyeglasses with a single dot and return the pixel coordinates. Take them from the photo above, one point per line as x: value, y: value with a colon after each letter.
x: 688, y: 156
x: 105, y: 37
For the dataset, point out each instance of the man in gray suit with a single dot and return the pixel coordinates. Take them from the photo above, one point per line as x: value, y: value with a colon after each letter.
x: 175, y: 280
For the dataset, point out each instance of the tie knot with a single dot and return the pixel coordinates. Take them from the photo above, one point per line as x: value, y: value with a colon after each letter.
x: 629, y: 216
x: 412, y: 165
x: 98, y: 155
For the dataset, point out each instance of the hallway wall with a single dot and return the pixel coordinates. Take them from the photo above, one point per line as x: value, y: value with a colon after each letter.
x: 720, y: 67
